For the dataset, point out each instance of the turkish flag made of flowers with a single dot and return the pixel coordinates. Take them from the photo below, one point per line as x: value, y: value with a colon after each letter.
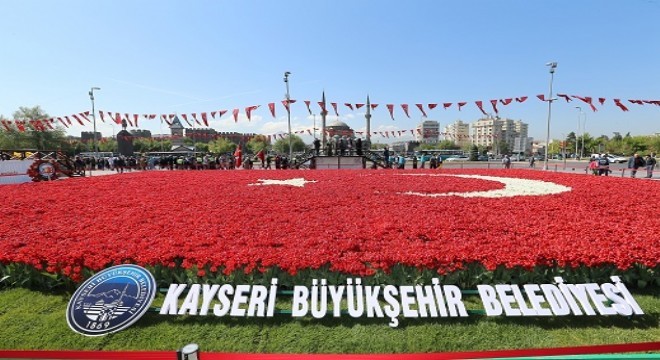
x: 353, y: 221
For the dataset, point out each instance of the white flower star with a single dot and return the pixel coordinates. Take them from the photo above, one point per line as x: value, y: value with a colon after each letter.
x: 297, y: 182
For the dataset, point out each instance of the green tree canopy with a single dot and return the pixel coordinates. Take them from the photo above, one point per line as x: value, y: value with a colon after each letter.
x: 257, y: 143
x: 282, y: 145
x: 221, y: 146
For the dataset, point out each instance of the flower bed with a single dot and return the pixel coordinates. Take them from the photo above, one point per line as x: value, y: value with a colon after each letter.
x: 381, y: 225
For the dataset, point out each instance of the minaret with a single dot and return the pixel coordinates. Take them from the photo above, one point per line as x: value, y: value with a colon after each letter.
x: 368, y: 117
x: 324, y: 113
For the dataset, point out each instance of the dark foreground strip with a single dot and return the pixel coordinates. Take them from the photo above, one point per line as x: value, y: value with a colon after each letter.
x: 170, y: 355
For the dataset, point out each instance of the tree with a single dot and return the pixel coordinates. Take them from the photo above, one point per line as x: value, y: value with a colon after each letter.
x: 257, y: 143
x: 282, y: 145
x: 201, y: 147
x: 571, y: 143
x: 221, y: 146
x: 474, y: 153
x: 33, y: 138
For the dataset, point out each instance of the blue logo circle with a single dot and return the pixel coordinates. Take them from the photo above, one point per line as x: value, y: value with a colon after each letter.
x: 111, y: 300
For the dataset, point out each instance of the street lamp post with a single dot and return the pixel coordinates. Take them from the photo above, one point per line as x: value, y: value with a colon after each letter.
x: 288, y: 111
x: 96, y: 150
x: 584, y: 125
x: 553, y: 66
x: 578, y: 132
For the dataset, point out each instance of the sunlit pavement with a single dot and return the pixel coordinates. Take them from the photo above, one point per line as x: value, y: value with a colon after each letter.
x: 570, y: 166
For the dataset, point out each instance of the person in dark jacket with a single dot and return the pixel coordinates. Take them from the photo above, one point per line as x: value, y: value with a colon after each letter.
x: 634, y: 163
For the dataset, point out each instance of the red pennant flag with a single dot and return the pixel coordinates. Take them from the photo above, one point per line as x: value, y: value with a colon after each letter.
x: 20, y: 125
x: 48, y: 123
x: 521, y: 99
x: 271, y: 107
x: 357, y: 106
x: 602, y: 101
x: 446, y: 105
x: 101, y: 116
x: 480, y: 106
x: 587, y: 100
x: 6, y: 124
x: 221, y: 112
x: 135, y: 117
x: 194, y: 115
x: 117, y: 118
x: 618, y: 103
x: 213, y: 114
x: 506, y: 101
x: 432, y: 106
x: 235, y: 112
x: 163, y: 117
x: 77, y: 119
x: 494, y: 103
x: 128, y: 119
x: 566, y: 97
x: 405, y: 109
x: 249, y: 110
x: 638, y: 102
x: 541, y: 97
x: 307, y: 102
x: 350, y: 106
x: 322, y: 106
x: 419, y: 131
x: 205, y: 119
x: 285, y: 103
x: 84, y: 116
x: 461, y: 104
x: 390, y: 108
x: 185, y: 118
x: 374, y: 106
x: 63, y: 122
x: 421, y: 108
x: 334, y: 106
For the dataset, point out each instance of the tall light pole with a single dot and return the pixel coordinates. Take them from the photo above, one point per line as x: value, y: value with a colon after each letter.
x: 96, y: 150
x: 584, y: 125
x: 577, y: 133
x: 288, y: 112
x: 553, y: 66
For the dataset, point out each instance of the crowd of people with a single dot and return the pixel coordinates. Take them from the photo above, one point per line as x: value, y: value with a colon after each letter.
x: 122, y: 163
x: 600, y: 165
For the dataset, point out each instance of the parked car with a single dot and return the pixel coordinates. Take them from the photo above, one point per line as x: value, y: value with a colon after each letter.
x: 458, y: 158
x: 482, y: 158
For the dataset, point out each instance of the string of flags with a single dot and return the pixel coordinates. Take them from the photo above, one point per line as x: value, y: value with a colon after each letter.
x: 201, y: 119
x: 330, y: 133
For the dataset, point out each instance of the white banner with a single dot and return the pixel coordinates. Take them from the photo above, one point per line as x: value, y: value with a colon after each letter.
x: 14, y: 171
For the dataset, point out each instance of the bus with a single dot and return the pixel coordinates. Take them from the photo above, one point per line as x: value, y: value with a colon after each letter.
x: 443, y: 153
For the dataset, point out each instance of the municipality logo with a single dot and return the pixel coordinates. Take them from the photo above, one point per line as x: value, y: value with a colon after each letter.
x: 111, y: 300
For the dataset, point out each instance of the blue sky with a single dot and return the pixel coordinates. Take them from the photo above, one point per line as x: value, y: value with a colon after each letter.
x: 161, y: 57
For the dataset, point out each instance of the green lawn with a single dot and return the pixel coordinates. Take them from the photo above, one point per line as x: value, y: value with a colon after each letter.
x: 36, y: 321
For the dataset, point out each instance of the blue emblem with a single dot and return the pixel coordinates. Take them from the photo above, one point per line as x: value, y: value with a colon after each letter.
x: 111, y: 300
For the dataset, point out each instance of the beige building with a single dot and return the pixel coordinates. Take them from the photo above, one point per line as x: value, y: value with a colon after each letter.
x: 428, y: 131
x: 458, y: 132
x: 491, y: 131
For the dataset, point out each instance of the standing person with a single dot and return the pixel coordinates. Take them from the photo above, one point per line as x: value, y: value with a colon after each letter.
x: 650, y: 164
x: 402, y: 162
x: 262, y: 156
x: 423, y: 159
x: 433, y: 163
x: 634, y: 163
x: 603, y: 165
x: 593, y: 166
x: 531, y: 162
x: 414, y: 162
x: 358, y: 146
x: 386, y: 155
x: 506, y: 161
x: 317, y: 146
